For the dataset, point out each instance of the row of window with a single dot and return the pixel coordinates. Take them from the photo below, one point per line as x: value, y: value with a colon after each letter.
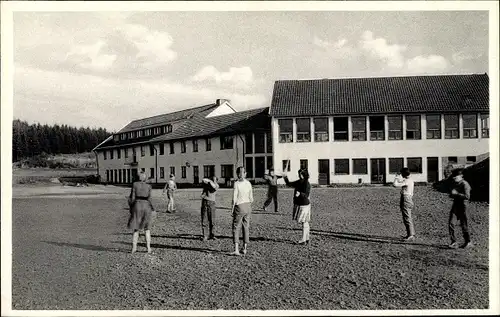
x: 258, y: 142
x: 360, y: 165
x: 226, y: 143
x: 377, y: 127
x: 143, y: 133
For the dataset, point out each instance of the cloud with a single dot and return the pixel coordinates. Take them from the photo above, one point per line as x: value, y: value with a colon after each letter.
x: 235, y: 74
x: 427, y: 64
x: 91, y: 57
x: 336, y: 50
x: 379, y: 48
x: 465, y: 55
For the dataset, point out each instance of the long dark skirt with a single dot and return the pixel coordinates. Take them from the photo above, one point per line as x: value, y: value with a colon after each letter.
x: 141, y: 215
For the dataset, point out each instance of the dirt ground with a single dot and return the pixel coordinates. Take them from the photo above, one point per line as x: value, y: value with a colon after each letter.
x: 70, y: 251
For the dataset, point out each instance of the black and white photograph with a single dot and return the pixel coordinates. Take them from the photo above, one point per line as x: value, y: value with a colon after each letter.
x: 249, y: 158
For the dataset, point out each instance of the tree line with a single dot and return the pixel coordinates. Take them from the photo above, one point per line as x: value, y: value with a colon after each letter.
x: 30, y: 140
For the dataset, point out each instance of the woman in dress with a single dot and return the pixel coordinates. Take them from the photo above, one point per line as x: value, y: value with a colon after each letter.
x: 301, y: 203
x: 141, y: 211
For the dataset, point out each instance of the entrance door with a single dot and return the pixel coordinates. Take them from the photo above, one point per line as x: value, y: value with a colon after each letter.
x: 196, y: 175
x: 378, y: 171
x: 432, y: 169
x: 323, y: 172
x: 134, y: 175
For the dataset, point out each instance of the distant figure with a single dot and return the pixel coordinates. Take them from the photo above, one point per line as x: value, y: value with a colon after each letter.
x: 141, y: 211
x: 272, y: 191
x: 461, y: 194
x: 406, y: 201
x: 241, y: 210
x: 301, y: 203
x: 210, y: 187
x: 169, y: 189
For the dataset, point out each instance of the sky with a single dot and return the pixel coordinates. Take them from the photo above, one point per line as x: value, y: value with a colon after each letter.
x: 104, y: 69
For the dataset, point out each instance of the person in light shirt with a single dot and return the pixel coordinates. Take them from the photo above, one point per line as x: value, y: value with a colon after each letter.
x: 169, y: 189
x: 241, y: 210
x: 406, y: 205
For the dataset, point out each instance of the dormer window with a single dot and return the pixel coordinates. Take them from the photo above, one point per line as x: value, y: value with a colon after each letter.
x: 116, y: 138
x: 157, y: 130
x: 131, y: 135
x: 169, y: 128
x: 147, y: 132
x: 140, y: 133
x: 123, y: 136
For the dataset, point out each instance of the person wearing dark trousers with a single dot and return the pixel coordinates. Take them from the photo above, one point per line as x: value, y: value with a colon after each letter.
x: 460, y: 193
x: 210, y: 187
x: 272, y: 191
x: 301, y: 203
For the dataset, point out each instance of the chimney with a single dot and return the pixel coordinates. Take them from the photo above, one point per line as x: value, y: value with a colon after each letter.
x: 218, y: 102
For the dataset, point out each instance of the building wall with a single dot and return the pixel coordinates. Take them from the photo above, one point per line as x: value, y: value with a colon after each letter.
x: 312, y: 151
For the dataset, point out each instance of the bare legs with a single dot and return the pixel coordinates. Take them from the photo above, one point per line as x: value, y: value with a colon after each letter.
x: 305, y: 233
x: 135, y: 239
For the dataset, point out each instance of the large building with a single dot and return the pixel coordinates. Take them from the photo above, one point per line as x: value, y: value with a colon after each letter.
x: 366, y: 129
x: 190, y: 144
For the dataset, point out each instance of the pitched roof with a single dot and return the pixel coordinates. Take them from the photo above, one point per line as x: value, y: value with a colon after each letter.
x: 198, y: 125
x: 167, y: 118
x: 441, y: 93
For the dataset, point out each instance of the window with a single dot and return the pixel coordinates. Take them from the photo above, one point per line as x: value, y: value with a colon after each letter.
x: 286, y: 166
x: 110, y: 176
x: 129, y: 176
x: 340, y: 129
x: 433, y: 126
x: 377, y: 128
x: 183, y: 146
x: 451, y: 126
x: 469, y: 126
x: 157, y: 130
x: 260, y: 142
x: 304, y: 164
x: 134, y: 152
x: 321, y: 130
x: 162, y: 172
x: 169, y: 128
x: 227, y: 171
x: 162, y: 148
x: 226, y: 142
x: 151, y: 150
x: 249, y: 166
x: 395, y: 165
x: 118, y: 153
x: 208, y: 144
x: 119, y: 176
x: 415, y: 164
x: 286, y: 130
x: 183, y: 171
x: 269, y: 162
x: 116, y: 176
x: 172, y: 148
x: 116, y: 138
x: 151, y: 172
x: 172, y: 170
x: 107, y: 176
x: 413, y: 128
x: 471, y: 159
x: 303, y: 129
x: 452, y: 159
x: 248, y: 143
x: 111, y: 154
x: 140, y: 133
x: 360, y: 166
x: 358, y: 128
x: 208, y: 171
x: 395, y: 127
x: 341, y: 166
x: 123, y: 136
x: 131, y: 135
x: 260, y: 168
x: 485, y: 125
x: 269, y: 142
x: 147, y: 132
x: 195, y: 145
x: 125, y: 151
x: 105, y: 154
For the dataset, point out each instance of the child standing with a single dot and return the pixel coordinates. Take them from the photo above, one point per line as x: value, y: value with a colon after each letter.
x: 301, y: 203
x: 241, y: 210
x: 170, y: 188
x: 406, y: 205
x: 210, y: 186
x: 461, y: 194
x: 272, y: 191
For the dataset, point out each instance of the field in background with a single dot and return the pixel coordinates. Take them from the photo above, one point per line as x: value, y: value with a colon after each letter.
x: 70, y: 251
x: 45, y: 175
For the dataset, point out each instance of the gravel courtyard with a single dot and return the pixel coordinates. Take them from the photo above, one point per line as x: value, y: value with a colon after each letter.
x: 70, y: 251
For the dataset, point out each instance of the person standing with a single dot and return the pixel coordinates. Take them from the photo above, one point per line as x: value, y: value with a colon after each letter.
x: 169, y: 189
x: 461, y: 194
x: 241, y: 210
x: 406, y: 205
x: 301, y: 202
x: 272, y: 191
x: 141, y: 211
x: 208, y: 208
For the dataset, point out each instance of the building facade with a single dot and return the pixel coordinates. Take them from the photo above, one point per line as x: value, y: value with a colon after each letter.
x: 364, y: 130
x: 191, y: 144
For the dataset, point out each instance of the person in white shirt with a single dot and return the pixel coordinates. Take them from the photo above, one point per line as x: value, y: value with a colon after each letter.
x: 170, y: 188
x: 406, y: 205
x: 241, y: 210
